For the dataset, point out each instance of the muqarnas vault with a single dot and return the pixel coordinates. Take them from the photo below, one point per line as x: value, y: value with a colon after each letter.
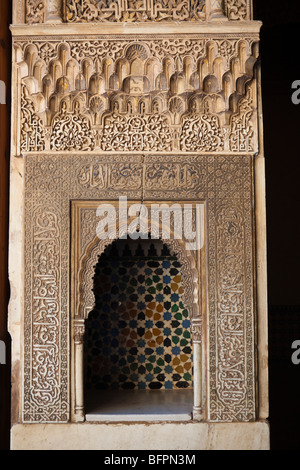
x: 131, y: 344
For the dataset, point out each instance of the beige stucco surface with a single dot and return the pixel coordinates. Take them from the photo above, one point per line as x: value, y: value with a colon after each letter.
x: 162, y: 436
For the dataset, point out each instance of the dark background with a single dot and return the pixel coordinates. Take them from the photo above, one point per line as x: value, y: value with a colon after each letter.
x: 280, y: 59
x: 5, y: 67
x: 280, y: 54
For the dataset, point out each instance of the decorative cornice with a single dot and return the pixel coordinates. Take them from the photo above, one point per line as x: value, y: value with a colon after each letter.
x: 59, y: 30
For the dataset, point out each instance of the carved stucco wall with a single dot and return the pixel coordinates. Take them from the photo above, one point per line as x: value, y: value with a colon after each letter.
x: 153, y: 118
x: 75, y: 11
x: 139, y: 94
x: 51, y: 182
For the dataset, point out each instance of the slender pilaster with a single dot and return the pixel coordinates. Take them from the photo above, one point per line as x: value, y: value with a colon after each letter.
x: 79, y: 373
x: 197, y: 356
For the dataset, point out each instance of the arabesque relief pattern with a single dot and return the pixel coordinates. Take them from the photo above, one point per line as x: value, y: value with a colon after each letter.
x: 225, y: 182
x: 34, y: 11
x: 188, y: 95
x: 237, y: 10
x: 32, y: 131
x: 131, y: 11
x: 42, y: 375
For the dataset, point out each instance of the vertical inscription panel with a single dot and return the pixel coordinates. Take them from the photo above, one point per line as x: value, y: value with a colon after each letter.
x: 43, y: 398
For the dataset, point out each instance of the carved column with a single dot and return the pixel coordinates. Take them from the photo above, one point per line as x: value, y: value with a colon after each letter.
x: 53, y: 11
x: 79, y: 372
x: 197, y: 355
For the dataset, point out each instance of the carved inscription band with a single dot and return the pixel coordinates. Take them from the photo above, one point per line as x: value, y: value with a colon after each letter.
x: 155, y: 176
x: 101, y: 11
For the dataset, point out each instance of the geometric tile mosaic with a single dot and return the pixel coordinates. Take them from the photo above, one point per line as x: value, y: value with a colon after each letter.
x: 138, y: 334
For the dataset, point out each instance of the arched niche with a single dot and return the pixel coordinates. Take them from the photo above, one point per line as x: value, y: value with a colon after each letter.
x: 85, y: 301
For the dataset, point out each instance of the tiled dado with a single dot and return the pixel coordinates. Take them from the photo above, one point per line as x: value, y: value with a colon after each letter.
x: 138, y: 334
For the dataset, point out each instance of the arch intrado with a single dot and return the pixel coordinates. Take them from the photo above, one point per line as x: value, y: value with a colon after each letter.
x: 85, y: 303
x: 97, y: 248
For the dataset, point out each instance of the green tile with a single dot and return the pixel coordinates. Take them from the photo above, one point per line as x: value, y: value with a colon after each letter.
x: 175, y: 339
x: 152, y: 359
x: 187, y: 376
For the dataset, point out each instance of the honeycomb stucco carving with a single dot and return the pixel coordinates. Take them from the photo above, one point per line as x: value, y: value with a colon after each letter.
x: 139, y: 95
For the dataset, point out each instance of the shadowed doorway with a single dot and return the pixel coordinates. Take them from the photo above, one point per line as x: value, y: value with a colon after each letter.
x: 138, y: 351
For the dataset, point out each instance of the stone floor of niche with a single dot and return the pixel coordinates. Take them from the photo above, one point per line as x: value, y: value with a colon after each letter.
x: 139, y: 405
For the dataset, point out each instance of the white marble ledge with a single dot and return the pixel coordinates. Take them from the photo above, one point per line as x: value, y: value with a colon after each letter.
x: 89, y: 29
x: 142, y: 436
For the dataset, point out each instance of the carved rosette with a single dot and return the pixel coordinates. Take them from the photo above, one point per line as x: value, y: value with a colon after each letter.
x: 136, y: 133
x: 201, y: 133
x: 71, y: 131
